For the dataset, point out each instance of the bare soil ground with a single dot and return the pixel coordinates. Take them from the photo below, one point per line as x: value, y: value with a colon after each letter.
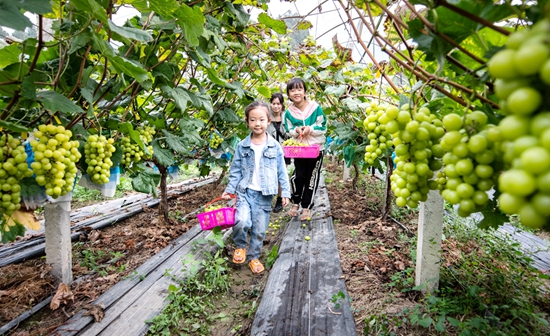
x: 102, y: 257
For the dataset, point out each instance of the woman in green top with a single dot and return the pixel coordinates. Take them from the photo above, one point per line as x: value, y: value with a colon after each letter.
x: 305, y: 121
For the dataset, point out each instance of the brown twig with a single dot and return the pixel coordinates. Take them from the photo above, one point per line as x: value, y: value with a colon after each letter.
x: 371, y: 56
x: 447, y: 39
x: 425, y: 75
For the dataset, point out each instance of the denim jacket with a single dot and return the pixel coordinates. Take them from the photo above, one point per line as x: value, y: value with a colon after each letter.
x: 272, y: 169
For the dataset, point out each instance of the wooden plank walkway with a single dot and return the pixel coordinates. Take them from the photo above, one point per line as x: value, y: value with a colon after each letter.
x: 536, y: 248
x: 297, y: 299
x: 134, y: 300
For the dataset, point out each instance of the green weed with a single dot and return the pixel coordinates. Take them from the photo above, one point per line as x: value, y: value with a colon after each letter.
x: 192, y: 300
x: 488, y: 288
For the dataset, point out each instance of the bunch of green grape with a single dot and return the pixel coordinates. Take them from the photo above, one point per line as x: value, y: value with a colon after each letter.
x: 522, y: 73
x: 13, y: 167
x: 375, y: 125
x: 146, y: 133
x: 55, y: 157
x: 471, y: 155
x: 98, y: 151
x: 215, y: 141
x: 131, y: 152
x: 293, y: 142
x: 416, y: 140
x: 212, y: 208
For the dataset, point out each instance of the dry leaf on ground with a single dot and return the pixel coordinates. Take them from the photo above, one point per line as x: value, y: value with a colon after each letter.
x: 62, y: 296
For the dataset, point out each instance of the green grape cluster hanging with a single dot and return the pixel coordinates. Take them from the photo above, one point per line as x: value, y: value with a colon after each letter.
x: 132, y: 153
x: 470, y: 159
x: 522, y: 72
x: 55, y: 157
x: 13, y: 167
x: 215, y: 141
x: 98, y: 151
x: 375, y: 125
x: 416, y: 140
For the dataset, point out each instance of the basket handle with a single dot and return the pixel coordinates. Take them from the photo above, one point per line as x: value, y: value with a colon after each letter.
x: 302, y: 139
x: 219, y: 199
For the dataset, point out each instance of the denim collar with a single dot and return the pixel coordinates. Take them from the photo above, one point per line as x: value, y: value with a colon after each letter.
x: 269, y: 143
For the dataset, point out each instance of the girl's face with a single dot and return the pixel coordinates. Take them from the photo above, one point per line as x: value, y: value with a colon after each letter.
x: 257, y: 121
x: 297, y: 94
x: 276, y: 105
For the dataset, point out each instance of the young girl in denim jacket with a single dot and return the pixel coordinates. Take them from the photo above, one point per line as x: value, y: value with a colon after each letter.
x: 257, y: 169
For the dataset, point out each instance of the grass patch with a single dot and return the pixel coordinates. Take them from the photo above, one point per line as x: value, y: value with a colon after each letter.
x: 487, y: 287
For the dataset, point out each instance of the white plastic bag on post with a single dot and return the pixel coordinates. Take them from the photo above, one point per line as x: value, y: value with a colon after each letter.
x: 33, y: 202
x: 107, y: 189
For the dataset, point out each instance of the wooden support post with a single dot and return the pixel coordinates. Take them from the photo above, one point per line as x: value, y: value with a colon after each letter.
x: 428, y: 253
x: 58, y: 237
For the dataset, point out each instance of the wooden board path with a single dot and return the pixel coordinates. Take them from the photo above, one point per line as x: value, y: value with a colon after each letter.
x: 298, y: 297
x: 132, y: 301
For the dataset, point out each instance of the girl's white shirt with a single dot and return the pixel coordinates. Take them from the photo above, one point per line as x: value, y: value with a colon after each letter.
x: 255, y: 184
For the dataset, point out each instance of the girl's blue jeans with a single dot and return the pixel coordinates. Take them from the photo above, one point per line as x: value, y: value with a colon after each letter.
x: 252, y: 216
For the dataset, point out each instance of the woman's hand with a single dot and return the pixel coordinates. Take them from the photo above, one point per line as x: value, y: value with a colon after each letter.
x: 303, y: 131
x: 286, y: 201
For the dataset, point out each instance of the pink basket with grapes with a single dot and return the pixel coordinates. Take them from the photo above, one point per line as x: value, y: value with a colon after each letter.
x: 223, y: 217
x: 307, y: 152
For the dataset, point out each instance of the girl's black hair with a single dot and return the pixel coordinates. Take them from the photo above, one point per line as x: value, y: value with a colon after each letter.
x: 279, y: 96
x: 256, y: 104
x: 295, y: 83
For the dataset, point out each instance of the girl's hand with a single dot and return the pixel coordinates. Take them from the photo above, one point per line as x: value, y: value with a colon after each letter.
x: 286, y: 201
x: 227, y: 195
x: 305, y: 130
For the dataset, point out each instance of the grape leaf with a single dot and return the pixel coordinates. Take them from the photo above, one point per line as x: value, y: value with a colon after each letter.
x: 165, y: 8
x: 92, y: 7
x: 191, y: 20
x: 117, y: 156
x: 492, y: 218
x: 13, y: 127
x: 425, y: 322
x: 13, y: 232
x: 131, y: 33
x: 279, y: 26
x: 11, y: 17
x: 28, y: 89
x: 176, y: 143
x: 264, y: 91
x: 54, y: 102
x: 29, y: 187
x: 10, y: 54
x: 163, y: 156
x: 146, y: 181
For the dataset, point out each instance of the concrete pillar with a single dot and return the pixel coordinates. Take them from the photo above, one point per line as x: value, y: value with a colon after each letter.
x: 58, y: 237
x: 346, y: 171
x: 428, y: 253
